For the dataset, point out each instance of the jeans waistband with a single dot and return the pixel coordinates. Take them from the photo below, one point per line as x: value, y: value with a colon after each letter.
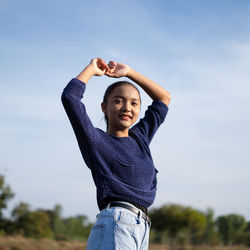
x: 131, y: 208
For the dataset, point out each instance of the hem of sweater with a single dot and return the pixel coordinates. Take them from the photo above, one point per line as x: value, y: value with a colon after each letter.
x: 128, y: 198
x: 143, y: 198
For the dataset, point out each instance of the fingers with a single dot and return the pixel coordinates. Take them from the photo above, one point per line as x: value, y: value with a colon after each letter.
x: 109, y: 74
x: 102, y: 65
x: 112, y: 66
x: 109, y: 69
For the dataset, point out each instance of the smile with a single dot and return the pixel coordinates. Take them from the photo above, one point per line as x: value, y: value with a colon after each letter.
x: 125, y: 117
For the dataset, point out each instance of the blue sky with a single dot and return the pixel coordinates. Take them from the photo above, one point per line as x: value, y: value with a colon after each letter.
x: 198, y: 50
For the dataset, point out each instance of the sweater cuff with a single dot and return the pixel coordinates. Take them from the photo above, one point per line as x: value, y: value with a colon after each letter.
x: 161, y: 108
x: 75, y: 87
x: 161, y: 105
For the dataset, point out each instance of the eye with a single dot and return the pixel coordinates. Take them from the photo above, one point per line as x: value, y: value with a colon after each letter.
x: 117, y: 101
x: 134, y: 104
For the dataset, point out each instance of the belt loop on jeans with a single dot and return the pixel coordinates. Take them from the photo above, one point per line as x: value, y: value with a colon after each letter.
x: 108, y: 206
x: 139, y: 216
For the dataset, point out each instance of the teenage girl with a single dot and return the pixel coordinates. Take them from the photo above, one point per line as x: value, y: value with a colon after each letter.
x: 119, y: 159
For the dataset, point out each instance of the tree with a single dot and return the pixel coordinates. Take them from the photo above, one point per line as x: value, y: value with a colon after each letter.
x: 196, y: 222
x: 78, y: 227
x: 38, y: 225
x: 28, y: 223
x: 247, y: 228
x: 20, y: 214
x: 176, y: 220
x: 243, y: 237
x: 210, y: 236
x: 20, y: 210
x: 229, y: 226
x: 5, y: 195
x: 168, y: 218
x: 71, y: 228
x: 56, y: 223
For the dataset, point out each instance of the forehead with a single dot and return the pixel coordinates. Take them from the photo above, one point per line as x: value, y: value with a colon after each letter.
x: 126, y: 91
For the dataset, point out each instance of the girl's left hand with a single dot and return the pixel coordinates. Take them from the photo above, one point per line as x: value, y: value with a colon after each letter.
x: 117, y: 70
x: 99, y: 65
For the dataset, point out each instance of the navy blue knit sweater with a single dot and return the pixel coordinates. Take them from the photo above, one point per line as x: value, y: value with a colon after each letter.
x: 122, y: 167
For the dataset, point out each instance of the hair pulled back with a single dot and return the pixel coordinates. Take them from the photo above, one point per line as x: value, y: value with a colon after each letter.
x: 111, y: 88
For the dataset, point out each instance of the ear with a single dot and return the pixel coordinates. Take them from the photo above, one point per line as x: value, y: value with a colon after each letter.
x: 103, y: 105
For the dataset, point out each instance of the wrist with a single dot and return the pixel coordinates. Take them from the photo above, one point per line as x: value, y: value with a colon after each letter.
x: 90, y: 70
x: 86, y: 74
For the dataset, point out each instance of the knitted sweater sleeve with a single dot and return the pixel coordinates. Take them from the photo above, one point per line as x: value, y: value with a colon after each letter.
x: 83, y: 128
x: 153, y: 118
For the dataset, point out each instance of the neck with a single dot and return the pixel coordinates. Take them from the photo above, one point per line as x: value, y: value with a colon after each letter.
x: 118, y: 133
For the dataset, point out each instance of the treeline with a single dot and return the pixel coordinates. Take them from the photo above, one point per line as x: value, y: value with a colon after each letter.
x: 179, y: 225
x: 40, y: 223
x: 171, y: 224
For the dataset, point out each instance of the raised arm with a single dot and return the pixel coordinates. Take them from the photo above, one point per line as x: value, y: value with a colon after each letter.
x: 85, y: 132
x: 154, y: 90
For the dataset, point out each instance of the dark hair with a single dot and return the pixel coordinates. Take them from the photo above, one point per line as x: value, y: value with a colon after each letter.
x: 110, y: 89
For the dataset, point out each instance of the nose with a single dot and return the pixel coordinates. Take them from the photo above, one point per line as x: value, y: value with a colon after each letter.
x: 126, y: 106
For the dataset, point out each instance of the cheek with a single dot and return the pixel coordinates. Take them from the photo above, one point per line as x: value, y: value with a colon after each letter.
x: 111, y: 111
x: 136, y: 113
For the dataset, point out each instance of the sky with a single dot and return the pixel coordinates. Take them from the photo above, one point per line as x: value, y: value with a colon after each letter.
x: 198, y: 50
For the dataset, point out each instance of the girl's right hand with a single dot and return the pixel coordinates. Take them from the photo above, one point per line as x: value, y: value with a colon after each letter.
x: 98, y: 66
x: 117, y: 70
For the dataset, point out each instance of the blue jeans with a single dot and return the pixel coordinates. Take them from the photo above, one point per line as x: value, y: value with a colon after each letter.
x: 119, y: 228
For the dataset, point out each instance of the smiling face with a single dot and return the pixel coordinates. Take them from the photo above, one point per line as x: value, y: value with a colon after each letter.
x: 122, y: 109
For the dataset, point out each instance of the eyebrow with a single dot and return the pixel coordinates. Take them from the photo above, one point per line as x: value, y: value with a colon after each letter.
x: 122, y: 97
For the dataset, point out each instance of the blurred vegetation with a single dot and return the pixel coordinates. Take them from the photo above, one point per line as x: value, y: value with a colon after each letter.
x: 40, y: 223
x: 177, y: 225
x: 173, y: 226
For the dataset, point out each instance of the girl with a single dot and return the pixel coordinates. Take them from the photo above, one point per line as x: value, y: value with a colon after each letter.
x: 119, y: 159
